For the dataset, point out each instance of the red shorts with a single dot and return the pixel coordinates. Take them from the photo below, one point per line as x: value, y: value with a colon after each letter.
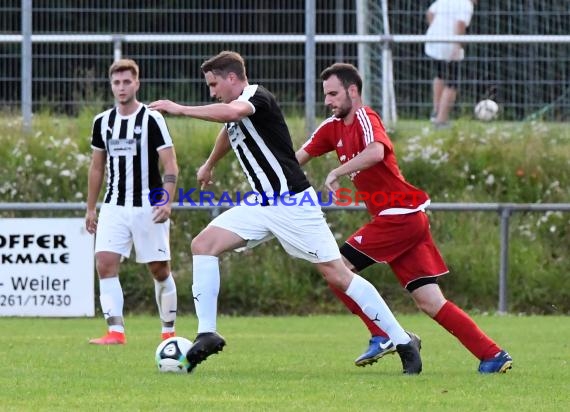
x: 402, y: 241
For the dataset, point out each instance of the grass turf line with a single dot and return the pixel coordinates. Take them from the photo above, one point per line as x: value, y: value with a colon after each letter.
x: 279, y: 363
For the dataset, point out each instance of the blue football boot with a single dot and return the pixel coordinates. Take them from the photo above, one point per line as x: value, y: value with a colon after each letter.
x: 377, y: 347
x: 498, y: 364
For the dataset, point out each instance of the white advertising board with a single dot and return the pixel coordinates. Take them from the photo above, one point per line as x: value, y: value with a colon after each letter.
x: 46, y: 268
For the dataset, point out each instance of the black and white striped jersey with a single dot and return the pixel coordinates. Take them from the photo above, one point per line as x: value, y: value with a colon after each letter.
x: 132, y: 144
x: 263, y: 146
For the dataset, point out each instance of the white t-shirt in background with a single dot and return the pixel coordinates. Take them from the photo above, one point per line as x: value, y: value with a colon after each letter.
x: 446, y: 13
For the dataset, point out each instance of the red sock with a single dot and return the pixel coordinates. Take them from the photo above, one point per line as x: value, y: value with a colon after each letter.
x: 354, y: 308
x: 460, y: 325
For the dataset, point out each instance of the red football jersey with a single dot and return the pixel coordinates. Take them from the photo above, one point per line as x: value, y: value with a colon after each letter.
x: 382, y: 186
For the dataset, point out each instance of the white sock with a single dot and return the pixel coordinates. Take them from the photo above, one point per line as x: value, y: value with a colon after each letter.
x: 205, y: 289
x: 166, y: 300
x: 112, y: 300
x: 372, y: 304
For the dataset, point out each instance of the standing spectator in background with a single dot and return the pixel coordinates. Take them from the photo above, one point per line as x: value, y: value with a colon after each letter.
x: 130, y: 142
x: 446, y: 18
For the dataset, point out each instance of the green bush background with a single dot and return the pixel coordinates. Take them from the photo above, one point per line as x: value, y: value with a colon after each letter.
x: 471, y: 162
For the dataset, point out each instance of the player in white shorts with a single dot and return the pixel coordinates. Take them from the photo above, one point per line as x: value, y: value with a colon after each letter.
x: 122, y: 227
x: 256, y: 131
x: 309, y: 238
x: 129, y: 144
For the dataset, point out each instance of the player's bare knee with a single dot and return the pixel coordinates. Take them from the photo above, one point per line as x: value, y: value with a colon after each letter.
x: 336, y: 274
x: 107, y: 264
x: 423, y: 306
x: 106, y: 269
x: 429, y: 306
x: 428, y: 298
x: 160, y: 270
x: 104, y: 272
x: 201, y: 245
x: 348, y: 264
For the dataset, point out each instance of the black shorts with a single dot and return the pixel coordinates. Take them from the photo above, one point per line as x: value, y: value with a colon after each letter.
x: 447, y: 71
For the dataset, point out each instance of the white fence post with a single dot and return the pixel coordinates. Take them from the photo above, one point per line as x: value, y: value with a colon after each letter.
x: 504, y: 259
x: 26, y: 64
x: 310, y: 63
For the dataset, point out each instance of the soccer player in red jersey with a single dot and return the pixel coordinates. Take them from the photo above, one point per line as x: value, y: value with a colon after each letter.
x: 398, y: 233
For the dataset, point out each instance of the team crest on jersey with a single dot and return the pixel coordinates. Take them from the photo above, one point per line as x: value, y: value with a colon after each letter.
x: 137, y: 130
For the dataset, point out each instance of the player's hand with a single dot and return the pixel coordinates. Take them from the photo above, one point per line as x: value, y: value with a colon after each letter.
x: 205, y: 176
x: 161, y: 214
x: 332, y: 184
x: 91, y: 221
x: 166, y: 106
x: 456, y: 54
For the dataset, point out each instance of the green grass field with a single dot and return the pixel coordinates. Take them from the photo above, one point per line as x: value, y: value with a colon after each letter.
x: 279, y: 364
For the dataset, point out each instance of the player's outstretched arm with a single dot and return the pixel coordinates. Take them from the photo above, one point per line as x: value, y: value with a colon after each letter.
x: 167, y: 106
x: 216, y: 112
x: 302, y: 156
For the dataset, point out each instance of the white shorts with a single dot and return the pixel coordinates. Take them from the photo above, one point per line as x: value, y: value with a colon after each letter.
x: 119, y: 227
x: 300, y: 228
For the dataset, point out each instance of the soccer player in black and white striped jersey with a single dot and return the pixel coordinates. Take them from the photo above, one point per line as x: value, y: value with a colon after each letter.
x: 130, y: 143
x: 255, y: 129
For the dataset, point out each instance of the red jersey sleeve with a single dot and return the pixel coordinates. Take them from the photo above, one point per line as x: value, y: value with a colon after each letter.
x: 321, y: 140
x: 373, y: 128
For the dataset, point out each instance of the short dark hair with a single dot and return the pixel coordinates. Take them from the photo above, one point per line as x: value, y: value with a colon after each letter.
x: 224, y: 63
x: 346, y: 73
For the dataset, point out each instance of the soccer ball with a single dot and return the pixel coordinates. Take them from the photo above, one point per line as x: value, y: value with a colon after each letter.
x: 170, y: 355
x: 486, y: 110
